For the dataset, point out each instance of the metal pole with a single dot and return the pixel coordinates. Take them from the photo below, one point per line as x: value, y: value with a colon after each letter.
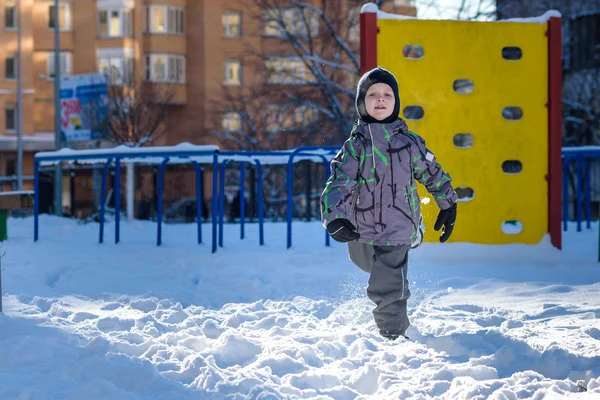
x: 159, y: 208
x: 242, y: 198
x: 579, y: 191
x: 222, y: 199
x: 57, y: 138
x: 290, y: 183
x: 199, y: 199
x: 215, y: 172
x: 103, y: 198
x: 565, y: 192
x: 19, y: 101
x: 130, y: 190
x: 117, y: 200
x: 36, y: 200
x: 261, y: 235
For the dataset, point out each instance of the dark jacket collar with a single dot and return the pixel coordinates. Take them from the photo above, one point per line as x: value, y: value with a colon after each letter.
x: 394, y: 128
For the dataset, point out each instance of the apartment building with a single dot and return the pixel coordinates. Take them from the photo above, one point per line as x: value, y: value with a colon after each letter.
x: 196, y: 47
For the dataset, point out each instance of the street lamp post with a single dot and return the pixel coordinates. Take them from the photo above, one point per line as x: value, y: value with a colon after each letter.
x: 19, y: 100
x: 57, y: 137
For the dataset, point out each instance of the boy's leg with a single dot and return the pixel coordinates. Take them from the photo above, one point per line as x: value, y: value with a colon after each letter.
x: 388, y: 289
x: 361, y: 254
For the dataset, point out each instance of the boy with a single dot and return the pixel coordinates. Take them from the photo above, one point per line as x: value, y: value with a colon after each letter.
x: 370, y: 201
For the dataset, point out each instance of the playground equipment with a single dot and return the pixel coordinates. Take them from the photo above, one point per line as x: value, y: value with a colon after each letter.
x: 486, y: 96
x: 581, y: 156
x: 196, y: 155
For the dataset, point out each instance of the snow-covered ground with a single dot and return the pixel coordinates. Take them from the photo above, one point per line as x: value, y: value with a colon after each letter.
x: 133, y: 321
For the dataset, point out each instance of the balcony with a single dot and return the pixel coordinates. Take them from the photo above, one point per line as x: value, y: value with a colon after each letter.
x: 170, y: 93
x: 164, y: 29
x: 161, y: 43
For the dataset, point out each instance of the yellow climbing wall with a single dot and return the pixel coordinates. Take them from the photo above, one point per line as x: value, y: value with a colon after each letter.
x: 463, y: 50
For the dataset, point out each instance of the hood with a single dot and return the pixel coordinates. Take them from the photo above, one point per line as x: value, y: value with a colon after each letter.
x: 376, y: 75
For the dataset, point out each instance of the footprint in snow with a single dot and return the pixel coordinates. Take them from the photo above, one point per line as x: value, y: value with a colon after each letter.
x: 82, y: 316
x: 593, y: 332
x: 111, y: 307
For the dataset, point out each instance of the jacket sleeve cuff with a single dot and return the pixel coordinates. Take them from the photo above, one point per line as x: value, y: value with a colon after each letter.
x: 331, y: 216
x: 446, y: 202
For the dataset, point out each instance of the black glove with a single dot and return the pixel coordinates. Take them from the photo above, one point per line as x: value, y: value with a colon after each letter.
x: 446, y: 218
x: 342, y: 230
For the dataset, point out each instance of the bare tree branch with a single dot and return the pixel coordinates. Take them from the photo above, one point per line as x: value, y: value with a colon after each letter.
x: 331, y: 30
x: 321, y: 109
x: 468, y: 10
x: 137, y: 115
x: 314, y: 70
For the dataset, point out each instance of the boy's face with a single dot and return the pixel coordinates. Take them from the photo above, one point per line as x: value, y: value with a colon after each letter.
x: 380, y: 101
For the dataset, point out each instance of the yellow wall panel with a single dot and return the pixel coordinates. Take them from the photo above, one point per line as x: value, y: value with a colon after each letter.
x: 473, y: 50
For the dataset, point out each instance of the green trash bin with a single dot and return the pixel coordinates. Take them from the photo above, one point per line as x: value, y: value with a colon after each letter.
x: 3, y: 225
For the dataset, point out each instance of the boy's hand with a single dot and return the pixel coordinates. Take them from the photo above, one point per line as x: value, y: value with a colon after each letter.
x: 342, y: 230
x: 446, y: 218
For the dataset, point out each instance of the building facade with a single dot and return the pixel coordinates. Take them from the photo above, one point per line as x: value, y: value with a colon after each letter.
x: 193, y: 46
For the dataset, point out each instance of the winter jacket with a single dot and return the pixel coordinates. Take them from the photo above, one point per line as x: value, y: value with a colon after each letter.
x: 372, y: 183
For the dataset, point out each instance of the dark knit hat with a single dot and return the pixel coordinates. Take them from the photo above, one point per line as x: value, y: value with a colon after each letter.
x: 376, y: 75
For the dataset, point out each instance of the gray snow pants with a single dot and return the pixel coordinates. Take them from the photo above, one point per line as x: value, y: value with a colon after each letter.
x: 388, y: 283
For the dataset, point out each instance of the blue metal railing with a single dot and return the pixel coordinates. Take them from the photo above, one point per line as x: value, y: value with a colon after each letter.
x: 116, y: 156
x: 314, y: 151
x: 581, y: 156
x: 219, y: 164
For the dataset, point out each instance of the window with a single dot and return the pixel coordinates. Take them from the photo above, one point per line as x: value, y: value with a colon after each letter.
x: 288, y: 117
x: 292, y: 20
x: 233, y: 73
x: 117, y: 64
x: 175, y: 20
x: 158, y: 20
x: 65, y: 64
x: 10, y: 118
x: 64, y: 16
x: 232, y: 24
x: 164, y: 19
x: 10, y: 16
x: 115, y: 23
x: 354, y: 25
x: 10, y: 67
x: 165, y: 68
x: 118, y: 69
x: 232, y: 121
x: 585, y: 42
x: 289, y: 70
